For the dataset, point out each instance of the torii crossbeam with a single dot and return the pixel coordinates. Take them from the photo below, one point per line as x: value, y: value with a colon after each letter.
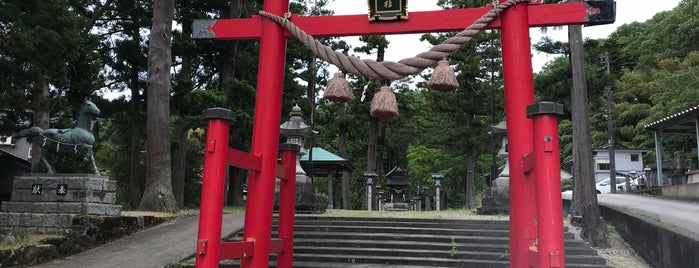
x: 519, y: 93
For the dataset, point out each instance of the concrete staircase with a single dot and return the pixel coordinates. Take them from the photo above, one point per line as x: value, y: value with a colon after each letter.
x: 397, y: 242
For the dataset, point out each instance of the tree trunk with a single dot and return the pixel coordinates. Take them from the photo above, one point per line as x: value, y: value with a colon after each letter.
x: 342, y: 146
x: 180, y: 164
x: 136, y: 182
x: 470, y: 166
x: 235, y: 178
x: 470, y: 177
x: 372, y: 155
x: 135, y: 179
x: 181, y: 131
x: 158, y: 195
x: 229, y: 62
x: 40, y: 117
x: 584, y: 203
x: 373, y: 141
x: 235, y: 187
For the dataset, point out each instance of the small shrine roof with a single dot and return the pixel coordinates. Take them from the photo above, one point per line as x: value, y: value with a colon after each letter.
x: 324, y: 162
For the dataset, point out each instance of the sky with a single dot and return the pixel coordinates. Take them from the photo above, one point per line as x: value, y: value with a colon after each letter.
x: 627, y: 11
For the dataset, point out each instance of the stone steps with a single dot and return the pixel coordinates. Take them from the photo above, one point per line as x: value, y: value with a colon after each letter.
x: 396, y: 242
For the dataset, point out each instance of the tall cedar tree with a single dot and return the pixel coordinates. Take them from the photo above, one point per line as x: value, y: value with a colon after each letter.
x: 158, y: 195
x: 379, y: 43
x: 584, y: 196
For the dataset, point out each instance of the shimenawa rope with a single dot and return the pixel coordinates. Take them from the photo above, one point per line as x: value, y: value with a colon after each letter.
x: 389, y: 70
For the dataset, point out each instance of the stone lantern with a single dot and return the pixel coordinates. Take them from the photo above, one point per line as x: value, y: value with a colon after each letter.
x: 425, y: 191
x: 369, y: 177
x: 296, y: 132
x: 437, y: 177
x: 497, y: 197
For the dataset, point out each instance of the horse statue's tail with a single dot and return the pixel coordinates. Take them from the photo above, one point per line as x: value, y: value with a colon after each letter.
x: 29, y: 132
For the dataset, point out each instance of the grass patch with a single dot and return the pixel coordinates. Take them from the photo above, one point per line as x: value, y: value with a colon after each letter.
x: 445, y: 214
x: 234, y: 210
x: 29, y: 240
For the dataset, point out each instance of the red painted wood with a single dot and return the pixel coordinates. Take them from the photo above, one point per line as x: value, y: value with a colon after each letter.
x: 236, y: 250
x: 287, y: 209
x: 276, y: 245
x: 281, y: 172
x: 265, y: 136
x: 548, y: 191
x: 244, y: 160
x: 519, y: 92
x: 211, y: 212
x: 419, y: 22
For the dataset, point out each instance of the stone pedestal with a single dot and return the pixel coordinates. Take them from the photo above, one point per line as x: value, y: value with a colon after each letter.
x: 497, y: 197
x: 306, y: 199
x: 47, y: 203
x: 397, y: 206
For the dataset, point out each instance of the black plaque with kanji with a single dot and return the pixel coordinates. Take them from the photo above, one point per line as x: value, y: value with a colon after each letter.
x: 61, y: 189
x: 388, y: 9
x: 36, y: 188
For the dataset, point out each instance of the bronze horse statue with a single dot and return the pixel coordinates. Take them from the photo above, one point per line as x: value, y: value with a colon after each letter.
x: 68, y: 140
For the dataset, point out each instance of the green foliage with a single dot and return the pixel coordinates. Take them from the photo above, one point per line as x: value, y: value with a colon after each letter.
x: 566, y: 184
x: 652, y: 76
x: 421, y: 162
x: 454, y: 249
x: 43, y: 44
x: 194, y: 167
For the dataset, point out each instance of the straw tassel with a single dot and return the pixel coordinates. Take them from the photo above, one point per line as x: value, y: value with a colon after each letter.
x: 384, y: 104
x: 443, y: 78
x: 338, y: 89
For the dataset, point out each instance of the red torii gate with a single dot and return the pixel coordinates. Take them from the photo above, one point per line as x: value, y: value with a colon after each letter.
x: 254, y: 250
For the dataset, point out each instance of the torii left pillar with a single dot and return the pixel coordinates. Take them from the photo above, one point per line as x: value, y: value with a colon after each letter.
x: 517, y: 73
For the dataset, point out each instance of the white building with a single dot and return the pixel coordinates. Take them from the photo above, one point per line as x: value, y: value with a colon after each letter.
x: 625, y: 160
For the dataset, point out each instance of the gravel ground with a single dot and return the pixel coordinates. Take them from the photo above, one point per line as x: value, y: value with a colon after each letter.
x: 619, y: 254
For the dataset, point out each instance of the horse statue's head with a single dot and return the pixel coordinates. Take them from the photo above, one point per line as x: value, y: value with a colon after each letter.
x: 90, y: 109
x: 87, y: 116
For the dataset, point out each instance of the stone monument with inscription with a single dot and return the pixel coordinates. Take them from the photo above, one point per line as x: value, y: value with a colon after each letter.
x: 47, y: 203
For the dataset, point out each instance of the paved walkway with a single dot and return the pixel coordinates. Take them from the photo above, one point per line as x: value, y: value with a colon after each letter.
x: 674, y: 214
x: 154, y: 247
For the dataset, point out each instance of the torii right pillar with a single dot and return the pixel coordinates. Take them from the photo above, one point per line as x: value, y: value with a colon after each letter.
x: 519, y: 93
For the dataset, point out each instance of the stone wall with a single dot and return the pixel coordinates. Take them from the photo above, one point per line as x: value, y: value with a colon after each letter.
x: 48, y: 203
x: 85, y: 232
x: 661, y: 246
x: 658, y: 244
x: 682, y: 191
